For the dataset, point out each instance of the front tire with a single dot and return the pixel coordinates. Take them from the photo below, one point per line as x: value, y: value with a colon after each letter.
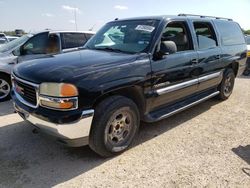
x: 115, y: 124
x: 227, y: 84
x: 5, y: 87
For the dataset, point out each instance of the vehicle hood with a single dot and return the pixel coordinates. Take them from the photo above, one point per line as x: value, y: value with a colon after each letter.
x: 7, y: 58
x: 71, y: 66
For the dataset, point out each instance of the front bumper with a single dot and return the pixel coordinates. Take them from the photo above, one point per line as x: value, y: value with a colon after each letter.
x: 73, y: 134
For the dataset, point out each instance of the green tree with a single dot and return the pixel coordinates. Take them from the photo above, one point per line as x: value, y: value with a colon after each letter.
x: 247, y: 32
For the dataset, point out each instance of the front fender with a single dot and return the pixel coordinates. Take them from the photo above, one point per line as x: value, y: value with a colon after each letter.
x: 105, y: 81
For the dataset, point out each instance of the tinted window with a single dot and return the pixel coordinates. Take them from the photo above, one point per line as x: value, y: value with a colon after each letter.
x: 36, y: 45
x: 88, y: 35
x: 205, y: 35
x: 231, y: 33
x: 53, y: 44
x: 73, y: 40
x: 179, y: 34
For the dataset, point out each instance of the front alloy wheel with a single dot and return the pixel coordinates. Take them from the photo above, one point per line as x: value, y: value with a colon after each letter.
x: 5, y: 88
x: 115, y: 124
x: 118, y: 129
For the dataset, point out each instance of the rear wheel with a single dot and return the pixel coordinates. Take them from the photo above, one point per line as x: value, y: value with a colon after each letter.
x: 227, y: 84
x: 5, y: 87
x: 246, y: 72
x: 115, y: 124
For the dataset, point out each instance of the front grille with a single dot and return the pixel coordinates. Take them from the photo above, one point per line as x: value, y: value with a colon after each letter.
x: 28, y: 92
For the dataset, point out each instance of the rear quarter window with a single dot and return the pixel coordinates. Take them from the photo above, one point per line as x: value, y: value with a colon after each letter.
x: 88, y: 35
x: 73, y: 40
x: 230, y: 32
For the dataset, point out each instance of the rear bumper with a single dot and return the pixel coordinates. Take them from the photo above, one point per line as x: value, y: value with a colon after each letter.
x: 73, y: 134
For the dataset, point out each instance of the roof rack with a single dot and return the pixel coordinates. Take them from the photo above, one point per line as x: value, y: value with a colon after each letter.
x: 202, y: 16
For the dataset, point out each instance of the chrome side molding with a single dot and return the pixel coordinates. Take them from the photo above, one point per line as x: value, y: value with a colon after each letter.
x: 176, y: 87
x: 183, y: 85
x: 210, y: 76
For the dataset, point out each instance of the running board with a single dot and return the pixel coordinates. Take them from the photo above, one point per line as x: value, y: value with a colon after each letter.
x: 179, y: 106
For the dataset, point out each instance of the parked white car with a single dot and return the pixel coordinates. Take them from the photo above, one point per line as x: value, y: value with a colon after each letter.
x: 11, y: 38
x: 32, y: 46
x: 3, y: 41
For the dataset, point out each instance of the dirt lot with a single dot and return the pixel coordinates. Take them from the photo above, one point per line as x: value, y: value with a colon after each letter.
x: 207, y: 145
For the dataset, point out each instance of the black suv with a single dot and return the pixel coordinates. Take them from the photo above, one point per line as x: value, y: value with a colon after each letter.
x: 132, y: 70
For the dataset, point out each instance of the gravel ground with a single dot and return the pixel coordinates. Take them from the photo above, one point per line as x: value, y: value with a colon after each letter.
x: 205, y: 146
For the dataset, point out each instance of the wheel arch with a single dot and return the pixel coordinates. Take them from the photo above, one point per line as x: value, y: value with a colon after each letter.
x: 4, y: 74
x: 135, y: 93
x: 235, y: 66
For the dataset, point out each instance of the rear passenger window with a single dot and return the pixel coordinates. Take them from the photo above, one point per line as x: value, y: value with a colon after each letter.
x: 205, y: 35
x: 231, y: 33
x: 73, y: 40
x: 178, y: 33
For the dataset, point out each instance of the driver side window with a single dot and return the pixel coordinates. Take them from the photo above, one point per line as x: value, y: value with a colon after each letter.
x: 178, y: 33
x: 36, y: 45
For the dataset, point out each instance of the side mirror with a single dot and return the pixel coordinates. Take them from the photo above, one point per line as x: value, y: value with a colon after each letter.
x: 168, y: 47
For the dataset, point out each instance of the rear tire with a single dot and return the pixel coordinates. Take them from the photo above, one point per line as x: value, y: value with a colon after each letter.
x: 5, y: 87
x: 115, y: 124
x: 227, y: 84
x: 246, y: 72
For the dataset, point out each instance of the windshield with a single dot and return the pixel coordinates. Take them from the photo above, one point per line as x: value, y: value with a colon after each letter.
x: 14, y: 43
x: 124, y: 36
x: 248, y: 40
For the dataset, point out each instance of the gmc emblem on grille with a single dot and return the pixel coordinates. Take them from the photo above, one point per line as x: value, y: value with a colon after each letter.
x: 19, y: 89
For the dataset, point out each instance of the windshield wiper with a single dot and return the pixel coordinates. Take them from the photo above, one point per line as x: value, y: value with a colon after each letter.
x: 113, y: 50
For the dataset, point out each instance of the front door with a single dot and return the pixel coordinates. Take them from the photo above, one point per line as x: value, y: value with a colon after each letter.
x: 175, y: 76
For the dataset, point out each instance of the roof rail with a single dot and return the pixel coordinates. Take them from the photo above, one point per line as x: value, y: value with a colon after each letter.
x: 202, y: 16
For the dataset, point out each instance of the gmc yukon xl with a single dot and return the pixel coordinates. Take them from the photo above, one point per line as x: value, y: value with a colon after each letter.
x: 132, y: 70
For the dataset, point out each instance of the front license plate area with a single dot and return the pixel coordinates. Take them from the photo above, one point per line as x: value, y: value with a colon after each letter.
x: 21, y: 112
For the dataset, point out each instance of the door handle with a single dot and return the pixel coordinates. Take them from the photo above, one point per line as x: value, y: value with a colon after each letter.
x: 194, y: 61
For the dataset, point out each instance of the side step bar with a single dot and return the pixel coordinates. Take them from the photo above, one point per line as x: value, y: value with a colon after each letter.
x: 178, y: 107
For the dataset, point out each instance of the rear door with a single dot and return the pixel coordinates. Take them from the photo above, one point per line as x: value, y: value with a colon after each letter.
x: 71, y: 41
x: 174, y: 76
x: 209, y: 54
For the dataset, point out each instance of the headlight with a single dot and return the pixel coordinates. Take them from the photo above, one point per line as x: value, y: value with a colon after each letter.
x: 58, y: 96
x: 248, y: 54
x: 58, y: 90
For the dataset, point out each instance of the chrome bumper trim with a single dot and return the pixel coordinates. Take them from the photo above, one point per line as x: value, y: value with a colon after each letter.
x: 58, y: 100
x: 70, y: 131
